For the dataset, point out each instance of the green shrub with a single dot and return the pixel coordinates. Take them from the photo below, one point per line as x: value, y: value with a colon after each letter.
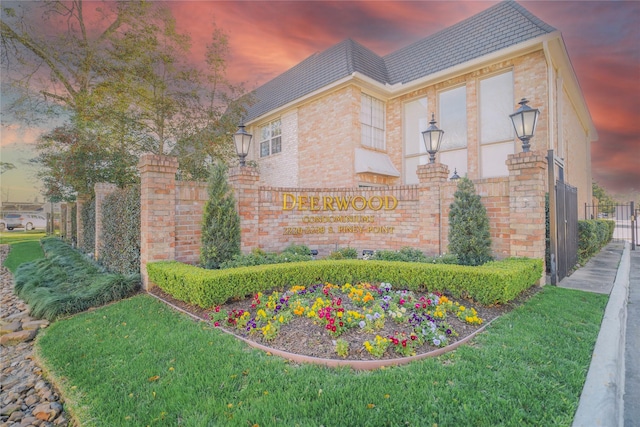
x: 120, y: 250
x: 469, y: 236
x: 66, y: 282
x: 405, y: 254
x: 293, y: 253
x: 593, y: 235
x: 88, y: 218
x: 494, y: 282
x: 344, y: 253
x: 221, y: 222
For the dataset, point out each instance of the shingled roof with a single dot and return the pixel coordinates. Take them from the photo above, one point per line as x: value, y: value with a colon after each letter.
x: 502, y: 25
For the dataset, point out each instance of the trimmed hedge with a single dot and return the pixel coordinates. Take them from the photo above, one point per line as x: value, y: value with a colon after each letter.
x: 593, y: 235
x: 491, y: 283
x: 88, y: 218
x: 120, y: 250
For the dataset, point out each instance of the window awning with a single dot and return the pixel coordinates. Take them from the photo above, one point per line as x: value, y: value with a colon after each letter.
x: 374, y: 162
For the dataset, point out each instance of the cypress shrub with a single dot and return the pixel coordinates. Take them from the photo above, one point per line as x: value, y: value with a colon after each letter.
x: 469, y: 236
x: 120, y: 250
x: 88, y: 218
x: 221, y: 222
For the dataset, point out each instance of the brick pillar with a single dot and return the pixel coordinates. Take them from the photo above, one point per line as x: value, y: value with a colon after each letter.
x: 102, y: 190
x: 81, y: 201
x: 526, y: 204
x: 63, y: 221
x: 69, y: 224
x: 431, y: 176
x: 244, y: 181
x: 157, y: 211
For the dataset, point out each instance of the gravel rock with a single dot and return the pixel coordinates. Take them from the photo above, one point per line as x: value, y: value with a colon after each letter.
x: 26, y: 399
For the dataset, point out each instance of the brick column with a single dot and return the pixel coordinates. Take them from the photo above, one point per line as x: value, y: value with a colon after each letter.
x: 431, y: 176
x: 63, y: 221
x: 244, y: 181
x: 157, y: 211
x: 81, y: 201
x: 102, y: 190
x: 526, y: 204
x: 69, y: 224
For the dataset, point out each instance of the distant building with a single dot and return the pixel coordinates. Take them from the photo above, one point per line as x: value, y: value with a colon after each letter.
x: 347, y: 117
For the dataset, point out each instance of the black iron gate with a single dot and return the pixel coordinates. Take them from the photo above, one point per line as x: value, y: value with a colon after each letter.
x: 563, y: 221
x: 623, y: 214
x: 567, y: 225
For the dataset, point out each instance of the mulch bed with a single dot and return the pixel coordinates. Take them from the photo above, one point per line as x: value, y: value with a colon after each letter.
x: 302, y: 336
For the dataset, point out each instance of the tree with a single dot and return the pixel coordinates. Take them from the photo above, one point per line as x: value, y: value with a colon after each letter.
x: 118, y: 71
x: 221, y: 222
x: 469, y: 236
x: 6, y: 166
x: 606, y: 204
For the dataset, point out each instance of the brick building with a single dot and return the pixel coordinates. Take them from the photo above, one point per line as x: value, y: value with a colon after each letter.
x: 347, y: 117
x: 341, y: 162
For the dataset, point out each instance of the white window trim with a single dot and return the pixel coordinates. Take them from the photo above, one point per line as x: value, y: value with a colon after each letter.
x: 269, y: 140
x: 371, y: 143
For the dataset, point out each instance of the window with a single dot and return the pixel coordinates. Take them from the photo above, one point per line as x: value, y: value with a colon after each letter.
x: 496, y: 104
x: 453, y: 118
x: 415, y: 122
x: 496, y: 129
x: 372, y: 122
x: 271, y: 139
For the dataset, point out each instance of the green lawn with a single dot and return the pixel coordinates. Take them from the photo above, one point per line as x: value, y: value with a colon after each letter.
x: 25, y: 247
x: 138, y: 363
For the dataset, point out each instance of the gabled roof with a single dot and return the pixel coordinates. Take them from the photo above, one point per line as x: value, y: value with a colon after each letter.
x: 502, y: 25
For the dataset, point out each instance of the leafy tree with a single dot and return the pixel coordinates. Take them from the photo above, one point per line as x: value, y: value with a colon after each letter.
x: 606, y: 204
x: 6, y: 166
x: 119, y: 72
x: 469, y: 236
x: 221, y: 222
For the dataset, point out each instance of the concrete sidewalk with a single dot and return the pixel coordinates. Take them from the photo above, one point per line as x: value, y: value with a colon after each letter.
x: 632, y: 350
x: 612, y: 389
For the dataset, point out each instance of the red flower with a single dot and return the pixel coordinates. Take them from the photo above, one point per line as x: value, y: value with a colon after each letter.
x: 216, y: 324
x: 404, y: 343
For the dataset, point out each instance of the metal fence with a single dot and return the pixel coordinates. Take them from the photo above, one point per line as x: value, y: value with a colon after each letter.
x: 625, y: 216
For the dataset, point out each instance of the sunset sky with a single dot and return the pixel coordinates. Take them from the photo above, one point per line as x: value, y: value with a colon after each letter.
x: 269, y: 37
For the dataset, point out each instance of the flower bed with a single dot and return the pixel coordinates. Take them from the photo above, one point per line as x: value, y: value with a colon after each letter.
x: 361, y: 321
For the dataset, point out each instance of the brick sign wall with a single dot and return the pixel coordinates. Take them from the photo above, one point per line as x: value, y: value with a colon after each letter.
x: 331, y: 218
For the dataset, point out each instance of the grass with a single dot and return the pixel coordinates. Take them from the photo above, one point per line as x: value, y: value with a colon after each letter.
x: 66, y: 282
x: 137, y: 362
x: 25, y: 247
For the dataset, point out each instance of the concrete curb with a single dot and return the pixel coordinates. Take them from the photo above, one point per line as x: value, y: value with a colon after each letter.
x: 601, y: 401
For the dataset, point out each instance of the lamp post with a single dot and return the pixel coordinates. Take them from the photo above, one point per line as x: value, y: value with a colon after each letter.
x: 242, y: 139
x: 455, y: 175
x: 524, y: 122
x: 432, y: 138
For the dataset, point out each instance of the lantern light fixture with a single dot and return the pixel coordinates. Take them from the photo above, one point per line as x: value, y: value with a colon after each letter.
x: 432, y: 138
x: 242, y: 140
x: 524, y: 122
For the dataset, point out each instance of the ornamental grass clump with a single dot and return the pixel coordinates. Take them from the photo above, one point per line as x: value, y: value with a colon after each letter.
x: 386, y: 320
